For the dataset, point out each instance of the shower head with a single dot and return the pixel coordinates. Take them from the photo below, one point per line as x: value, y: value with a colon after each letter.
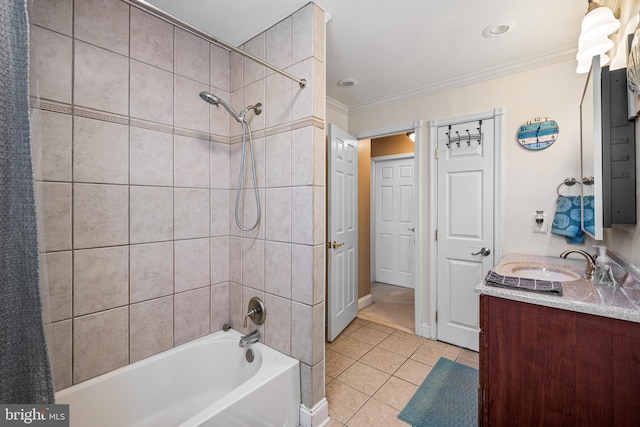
x: 212, y: 99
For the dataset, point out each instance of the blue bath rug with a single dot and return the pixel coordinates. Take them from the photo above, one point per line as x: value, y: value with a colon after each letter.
x: 448, y: 397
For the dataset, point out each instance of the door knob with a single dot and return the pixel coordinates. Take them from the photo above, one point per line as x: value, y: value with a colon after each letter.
x: 483, y: 252
x: 334, y: 244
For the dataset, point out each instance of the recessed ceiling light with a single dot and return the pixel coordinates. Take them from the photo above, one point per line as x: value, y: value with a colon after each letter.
x: 347, y: 82
x: 499, y: 29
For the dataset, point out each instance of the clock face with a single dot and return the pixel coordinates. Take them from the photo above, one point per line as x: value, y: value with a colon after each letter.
x: 538, y: 133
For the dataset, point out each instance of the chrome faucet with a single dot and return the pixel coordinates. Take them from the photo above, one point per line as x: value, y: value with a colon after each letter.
x: 251, y: 337
x: 591, y: 264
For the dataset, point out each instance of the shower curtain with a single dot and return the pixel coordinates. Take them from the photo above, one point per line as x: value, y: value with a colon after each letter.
x: 25, y: 375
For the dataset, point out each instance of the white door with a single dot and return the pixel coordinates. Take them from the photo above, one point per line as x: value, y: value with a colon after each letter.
x: 394, y: 232
x: 342, y: 291
x: 465, y: 228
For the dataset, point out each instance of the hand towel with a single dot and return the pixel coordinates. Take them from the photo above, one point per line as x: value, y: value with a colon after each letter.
x: 566, y: 221
x: 520, y: 283
x: 589, y: 223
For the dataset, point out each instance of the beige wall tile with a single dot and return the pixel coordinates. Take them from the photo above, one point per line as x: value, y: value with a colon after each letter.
x: 302, y: 332
x: 319, y: 31
x: 50, y: 57
x: 278, y: 214
x: 319, y: 157
x: 302, y: 269
x: 192, y: 56
x: 103, y: 23
x: 56, y: 273
x: 302, y: 99
x: 312, y: 384
x: 278, y: 44
x: 302, y: 156
x: 56, y: 214
x: 236, y: 77
x: 101, y: 79
x: 151, y: 327
x: 151, y: 271
x: 56, y: 15
x: 220, y: 68
x: 319, y: 210
x: 278, y: 100
x: 219, y: 260
x: 151, y: 157
x: 100, y: 215
x: 252, y: 71
x: 151, y: 93
x: 219, y: 306
x: 191, y: 160
x: 100, y: 343
x: 248, y: 214
x: 235, y: 306
x: 151, y: 40
x: 253, y: 263
x: 100, y: 152
x: 235, y: 259
x: 189, y: 111
x: 220, y: 161
x: 277, y: 327
x: 100, y: 279
x: 191, y: 213
x: 151, y: 214
x: 278, y: 160
x: 59, y: 345
x: 191, y: 264
x: 319, y: 273
x: 277, y: 278
x: 192, y: 315
x: 219, y: 119
x: 51, y: 145
x: 302, y: 34
x: 220, y: 212
x: 302, y: 211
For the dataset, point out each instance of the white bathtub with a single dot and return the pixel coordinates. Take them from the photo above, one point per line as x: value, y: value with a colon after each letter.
x: 207, y: 382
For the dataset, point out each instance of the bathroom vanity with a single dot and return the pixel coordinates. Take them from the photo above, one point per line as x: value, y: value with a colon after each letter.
x: 570, y: 360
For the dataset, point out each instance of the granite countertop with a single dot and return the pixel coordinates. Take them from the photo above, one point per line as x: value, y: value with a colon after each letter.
x: 581, y: 295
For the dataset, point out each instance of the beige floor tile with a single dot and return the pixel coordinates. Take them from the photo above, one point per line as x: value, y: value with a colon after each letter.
x: 431, y: 351
x: 411, y: 337
x: 336, y: 363
x: 327, y: 380
x: 363, y: 378
x: 400, y: 345
x: 369, y: 335
x: 360, y: 322
x: 334, y: 423
x: 396, y: 393
x: 351, y: 348
x: 383, y: 360
x: 413, y: 371
x: 344, y: 401
x: 376, y: 414
x: 335, y: 341
x: 350, y: 329
x: 381, y: 327
x: 469, y: 358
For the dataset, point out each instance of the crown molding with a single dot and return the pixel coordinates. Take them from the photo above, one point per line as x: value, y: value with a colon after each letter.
x: 337, y: 106
x: 465, y: 80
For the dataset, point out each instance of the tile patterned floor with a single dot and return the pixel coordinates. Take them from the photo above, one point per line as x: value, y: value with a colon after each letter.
x: 372, y: 370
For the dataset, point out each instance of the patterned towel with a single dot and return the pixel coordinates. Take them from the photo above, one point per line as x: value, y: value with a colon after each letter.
x: 566, y: 221
x: 589, y: 223
x: 495, y: 279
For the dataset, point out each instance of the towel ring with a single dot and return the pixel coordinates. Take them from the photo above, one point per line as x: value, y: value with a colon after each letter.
x: 569, y: 182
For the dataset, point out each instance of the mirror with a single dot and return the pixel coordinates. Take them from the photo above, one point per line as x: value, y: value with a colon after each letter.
x: 591, y: 152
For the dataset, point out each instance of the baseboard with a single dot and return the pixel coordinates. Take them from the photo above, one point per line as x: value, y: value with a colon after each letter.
x: 318, y: 416
x: 425, y: 331
x: 365, y: 302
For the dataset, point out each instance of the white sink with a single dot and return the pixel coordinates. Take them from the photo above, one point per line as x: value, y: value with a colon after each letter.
x: 530, y: 270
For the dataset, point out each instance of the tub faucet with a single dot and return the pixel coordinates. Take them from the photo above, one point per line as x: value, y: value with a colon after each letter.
x: 251, y: 337
x: 590, y: 262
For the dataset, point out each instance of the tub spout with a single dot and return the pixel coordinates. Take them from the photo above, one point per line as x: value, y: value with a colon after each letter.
x: 251, y: 337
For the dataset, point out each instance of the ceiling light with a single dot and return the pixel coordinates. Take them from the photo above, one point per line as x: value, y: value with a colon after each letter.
x: 499, y: 29
x: 598, y: 22
x: 584, y: 66
x: 412, y: 136
x: 347, y: 82
x: 590, y: 48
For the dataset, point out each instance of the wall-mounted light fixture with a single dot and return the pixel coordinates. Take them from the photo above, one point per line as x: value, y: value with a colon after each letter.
x: 597, y: 25
x: 411, y: 136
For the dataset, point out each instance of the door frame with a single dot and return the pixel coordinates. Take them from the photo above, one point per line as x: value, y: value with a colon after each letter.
x: 415, y: 127
x: 498, y: 115
x: 372, y: 206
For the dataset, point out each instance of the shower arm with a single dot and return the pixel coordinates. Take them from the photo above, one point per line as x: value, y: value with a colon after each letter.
x: 184, y: 25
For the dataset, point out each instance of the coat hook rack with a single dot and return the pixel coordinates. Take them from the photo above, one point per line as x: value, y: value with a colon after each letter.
x: 479, y: 132
x: 458, y: 133
x: 449, y: 137
x: 468, y: 138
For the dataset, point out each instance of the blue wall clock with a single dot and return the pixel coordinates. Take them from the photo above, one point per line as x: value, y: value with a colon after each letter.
x: 538, y: 133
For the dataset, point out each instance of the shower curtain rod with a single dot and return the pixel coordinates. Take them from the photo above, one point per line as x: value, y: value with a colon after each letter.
x: 172, y: 19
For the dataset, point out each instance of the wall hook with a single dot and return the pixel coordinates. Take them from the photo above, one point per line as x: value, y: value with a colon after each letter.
x: 468, y: 138
x: 458, y: 133
x: 449, y: 137
x: 479, y: 132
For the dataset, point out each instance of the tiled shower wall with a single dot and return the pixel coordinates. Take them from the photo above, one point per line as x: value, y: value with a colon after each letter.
x: 136, y: 175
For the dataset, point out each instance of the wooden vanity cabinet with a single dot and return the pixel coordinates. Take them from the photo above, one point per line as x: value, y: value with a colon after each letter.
x: 542, y: 366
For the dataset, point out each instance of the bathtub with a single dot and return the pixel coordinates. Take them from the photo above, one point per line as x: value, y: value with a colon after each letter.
x: 207, y: 382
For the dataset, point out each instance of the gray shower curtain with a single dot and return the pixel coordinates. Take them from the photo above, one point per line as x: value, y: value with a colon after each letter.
x: 25, y: 375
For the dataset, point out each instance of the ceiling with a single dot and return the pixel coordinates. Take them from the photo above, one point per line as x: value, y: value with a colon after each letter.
x: 404, y: 48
